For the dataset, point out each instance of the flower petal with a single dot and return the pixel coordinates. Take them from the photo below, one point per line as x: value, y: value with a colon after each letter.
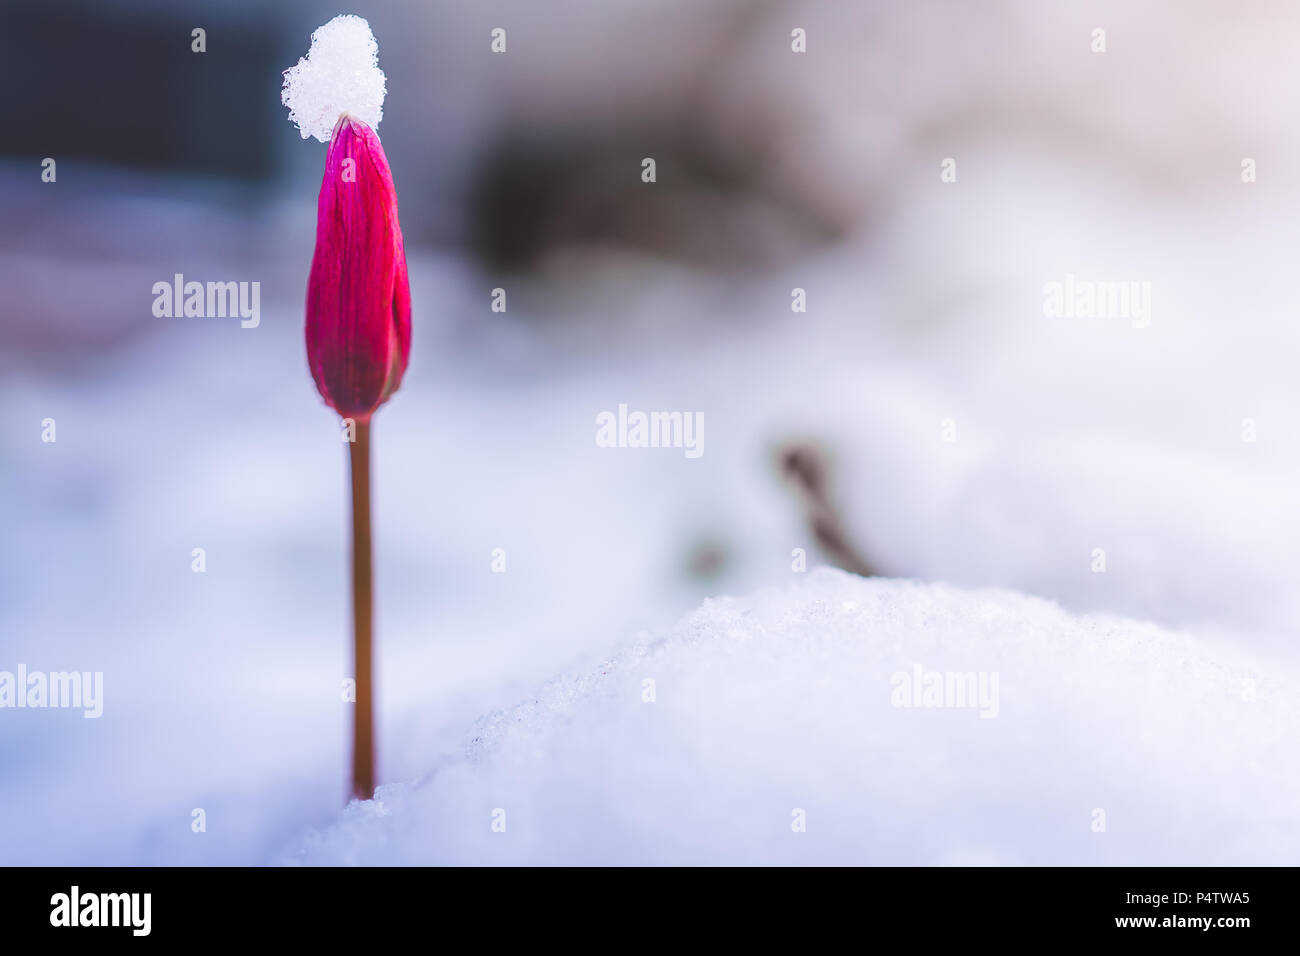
x: 358, y: 296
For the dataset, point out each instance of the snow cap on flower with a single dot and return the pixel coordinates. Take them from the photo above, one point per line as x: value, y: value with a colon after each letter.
x: 358, y: 295
x: 340, y: 74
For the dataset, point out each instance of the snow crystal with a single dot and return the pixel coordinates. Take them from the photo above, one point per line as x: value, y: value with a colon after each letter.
x: 339, y: 74
x: 799, y: 726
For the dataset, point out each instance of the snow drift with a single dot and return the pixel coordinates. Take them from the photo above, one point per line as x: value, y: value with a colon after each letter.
x: 784, y: 727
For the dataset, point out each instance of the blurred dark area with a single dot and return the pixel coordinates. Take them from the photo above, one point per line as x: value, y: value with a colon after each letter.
x: 122, y: 85
x: 712, y: 204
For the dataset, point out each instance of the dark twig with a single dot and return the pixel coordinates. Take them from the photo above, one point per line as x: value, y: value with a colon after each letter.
x: 805, y: 466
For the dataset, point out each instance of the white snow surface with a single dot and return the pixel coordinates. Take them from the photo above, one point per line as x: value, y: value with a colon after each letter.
x: 785, y: 701
x: 340, y: 74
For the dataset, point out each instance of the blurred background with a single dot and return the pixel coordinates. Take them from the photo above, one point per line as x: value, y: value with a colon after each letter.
x: 923, y: 418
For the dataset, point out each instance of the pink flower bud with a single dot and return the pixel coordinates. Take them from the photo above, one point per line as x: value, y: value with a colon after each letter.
x: 358, y: 297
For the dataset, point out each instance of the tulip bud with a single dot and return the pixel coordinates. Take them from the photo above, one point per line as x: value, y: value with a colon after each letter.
x: 358, y: 296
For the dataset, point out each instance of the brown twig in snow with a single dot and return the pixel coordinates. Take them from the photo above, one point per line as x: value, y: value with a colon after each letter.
x: 805, y: 466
